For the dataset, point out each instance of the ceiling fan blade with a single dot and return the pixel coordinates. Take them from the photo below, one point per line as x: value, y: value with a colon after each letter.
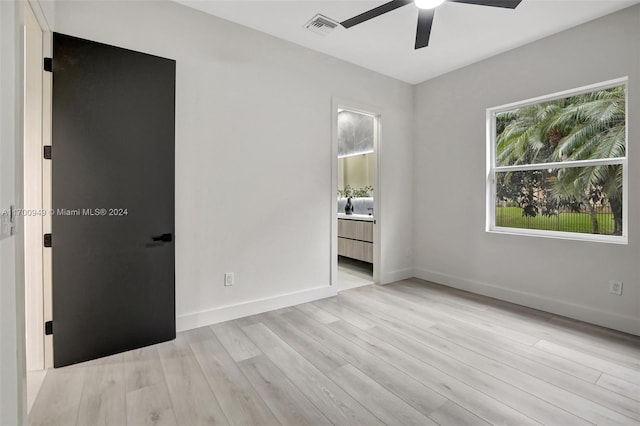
x: 508, y: 4
x: 425, y: 21
x: 370, y: 14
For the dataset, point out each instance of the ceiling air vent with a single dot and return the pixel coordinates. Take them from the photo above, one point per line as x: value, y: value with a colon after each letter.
x: 321, y: 25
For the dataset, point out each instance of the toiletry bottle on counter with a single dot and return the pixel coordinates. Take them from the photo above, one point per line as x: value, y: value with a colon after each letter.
x: 348, y: 208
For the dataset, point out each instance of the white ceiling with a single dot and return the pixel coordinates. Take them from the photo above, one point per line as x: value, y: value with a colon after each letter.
x: 462, y: 33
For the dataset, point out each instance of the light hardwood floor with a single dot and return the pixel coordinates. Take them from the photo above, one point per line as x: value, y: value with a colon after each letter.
x: 403, y: 354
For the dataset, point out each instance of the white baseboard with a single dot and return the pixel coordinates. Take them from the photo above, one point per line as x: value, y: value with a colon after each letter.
x: 399, y: 275
x: 614, y: 321
x: 253, y: 307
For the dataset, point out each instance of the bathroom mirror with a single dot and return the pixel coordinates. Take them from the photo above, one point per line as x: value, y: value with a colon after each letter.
x: 356, y: 157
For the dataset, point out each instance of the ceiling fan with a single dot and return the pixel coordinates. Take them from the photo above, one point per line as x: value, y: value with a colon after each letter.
x: 425, y: 14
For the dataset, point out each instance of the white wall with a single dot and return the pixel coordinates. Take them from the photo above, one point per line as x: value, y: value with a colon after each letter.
x: 565, y: 277
x: 12, y: 366
x: 253, y: 145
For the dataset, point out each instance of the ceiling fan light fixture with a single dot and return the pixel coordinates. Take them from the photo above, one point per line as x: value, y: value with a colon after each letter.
x: 428, y: 4
x: 425, y: 14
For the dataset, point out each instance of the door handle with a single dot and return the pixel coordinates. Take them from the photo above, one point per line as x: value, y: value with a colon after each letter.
x: 166, y: 238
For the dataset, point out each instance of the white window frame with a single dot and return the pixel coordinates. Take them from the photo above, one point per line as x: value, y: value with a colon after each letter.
x: 492, y: 168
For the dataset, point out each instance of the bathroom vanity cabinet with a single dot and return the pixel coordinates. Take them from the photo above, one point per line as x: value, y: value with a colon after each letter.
x: 355, y: 238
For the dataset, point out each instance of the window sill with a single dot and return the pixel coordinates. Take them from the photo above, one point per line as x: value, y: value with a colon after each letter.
x: 594, y: 238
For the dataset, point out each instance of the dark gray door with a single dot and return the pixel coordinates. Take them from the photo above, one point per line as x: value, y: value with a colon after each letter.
x: 113, y: 199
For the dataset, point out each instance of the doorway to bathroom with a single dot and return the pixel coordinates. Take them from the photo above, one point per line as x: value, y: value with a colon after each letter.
x: 356, y: 213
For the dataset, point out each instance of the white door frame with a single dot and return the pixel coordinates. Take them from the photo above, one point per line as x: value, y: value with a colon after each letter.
x: 338, y: 103
x: 37, y: 188
x: 47, y: 277
x: 32, y: 220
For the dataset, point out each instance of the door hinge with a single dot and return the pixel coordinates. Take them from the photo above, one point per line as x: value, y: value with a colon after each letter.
x: 47, y: 152
x: 47, y: 240
x: 48, y: 328
x: 48, y: 64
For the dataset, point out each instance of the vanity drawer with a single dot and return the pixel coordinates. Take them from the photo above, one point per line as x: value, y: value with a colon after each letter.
x: 354, y: 249
x: 355, y: 229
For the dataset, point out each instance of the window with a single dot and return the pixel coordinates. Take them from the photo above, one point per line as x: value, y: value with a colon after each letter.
x: 557, y: 165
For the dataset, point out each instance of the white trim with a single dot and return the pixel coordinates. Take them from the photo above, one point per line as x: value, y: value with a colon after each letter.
x: 378, y: 271
x: 33, y: 131
x: 625, y: 166
x: 559, y: 235
x: 333, y: 213
x: 47, y: 267
x: 39, y: 15
x: 492, y: 169
x: 561, y: 165
x: 587, y: 314
x: 490, y: 217
x: 609, y: 84
x: 229, y: 312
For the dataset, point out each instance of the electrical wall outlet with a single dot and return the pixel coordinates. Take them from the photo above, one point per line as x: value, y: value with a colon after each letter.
x: 228, y: 279
x: 615, y: 287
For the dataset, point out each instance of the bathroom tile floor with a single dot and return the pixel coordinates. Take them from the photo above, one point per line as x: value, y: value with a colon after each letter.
x: 353, y: 273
